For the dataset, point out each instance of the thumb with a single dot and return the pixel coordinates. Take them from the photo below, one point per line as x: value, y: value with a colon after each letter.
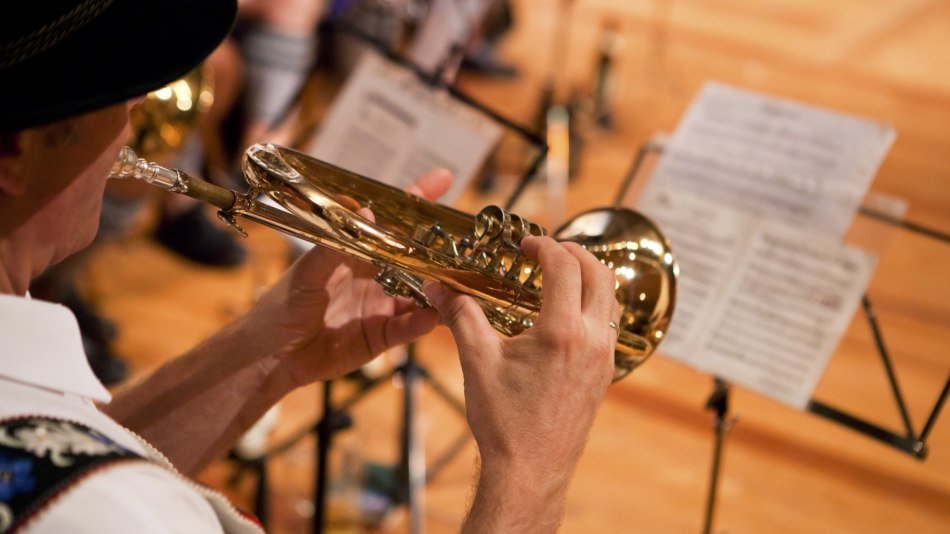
x: 463, y: 316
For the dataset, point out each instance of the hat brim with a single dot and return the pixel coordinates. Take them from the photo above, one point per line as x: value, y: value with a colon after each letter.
x: 133, y: 47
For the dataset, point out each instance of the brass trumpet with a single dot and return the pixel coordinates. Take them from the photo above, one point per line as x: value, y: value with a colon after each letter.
x: 413, y: 239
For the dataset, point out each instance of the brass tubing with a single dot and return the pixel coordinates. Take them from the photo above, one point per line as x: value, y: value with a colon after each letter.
x: 215, y: 195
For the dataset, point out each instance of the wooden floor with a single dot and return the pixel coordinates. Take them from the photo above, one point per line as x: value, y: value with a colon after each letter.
x: 647, y: 464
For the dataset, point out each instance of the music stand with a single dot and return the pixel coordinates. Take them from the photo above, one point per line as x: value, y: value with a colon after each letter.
x: 910, y: 442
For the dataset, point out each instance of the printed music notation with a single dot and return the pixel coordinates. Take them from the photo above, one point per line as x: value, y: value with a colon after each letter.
x: 792, y: 299
x: 390, y: 126
x: 778, y: 159
x: 755, y: 194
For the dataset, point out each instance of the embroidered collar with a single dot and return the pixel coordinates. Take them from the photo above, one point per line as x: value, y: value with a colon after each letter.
x: 41, y: 458
x: 40, y: 345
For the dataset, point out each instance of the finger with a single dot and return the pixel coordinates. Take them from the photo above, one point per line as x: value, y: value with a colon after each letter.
x: 405, y: 305
x: 367, y: 214
x: 432, y: 184
x: 314, y: 268
x: 407, y: 327
x: 464, y: 317
x: 561, y: 279
x: 599, y: 285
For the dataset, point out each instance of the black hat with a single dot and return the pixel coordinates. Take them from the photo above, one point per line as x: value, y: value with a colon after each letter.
x: 60, y: 58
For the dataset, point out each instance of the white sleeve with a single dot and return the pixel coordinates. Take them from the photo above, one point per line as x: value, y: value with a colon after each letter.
x: 134, y: 497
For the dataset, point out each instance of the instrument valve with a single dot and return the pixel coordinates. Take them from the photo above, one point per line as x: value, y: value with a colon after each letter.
x: 424, y: 235
x: 397, y: 283
x: 465, y: 246
x: 429, y: 237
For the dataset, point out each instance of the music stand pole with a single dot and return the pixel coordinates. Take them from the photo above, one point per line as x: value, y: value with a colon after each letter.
x: 333, y: 420
x: 411, y: 470
x: 324, y: 436
x: 718, y: 402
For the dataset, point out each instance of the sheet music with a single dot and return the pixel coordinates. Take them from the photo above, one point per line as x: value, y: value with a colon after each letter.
x: 755, y: 195
x: 776, y: 158
x: 706, y: 239
x: 447, y: 23
x: 388, y: 125
x: 787, y: 306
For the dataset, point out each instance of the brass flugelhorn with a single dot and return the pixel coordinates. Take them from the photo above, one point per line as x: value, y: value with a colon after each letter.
x: 413, y: 239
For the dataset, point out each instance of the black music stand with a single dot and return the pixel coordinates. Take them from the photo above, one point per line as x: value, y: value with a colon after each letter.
x: 335, y: 417
x: 910, y: 442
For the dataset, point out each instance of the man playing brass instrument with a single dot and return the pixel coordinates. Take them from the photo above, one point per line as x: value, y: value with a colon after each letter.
x: 69, y: 71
